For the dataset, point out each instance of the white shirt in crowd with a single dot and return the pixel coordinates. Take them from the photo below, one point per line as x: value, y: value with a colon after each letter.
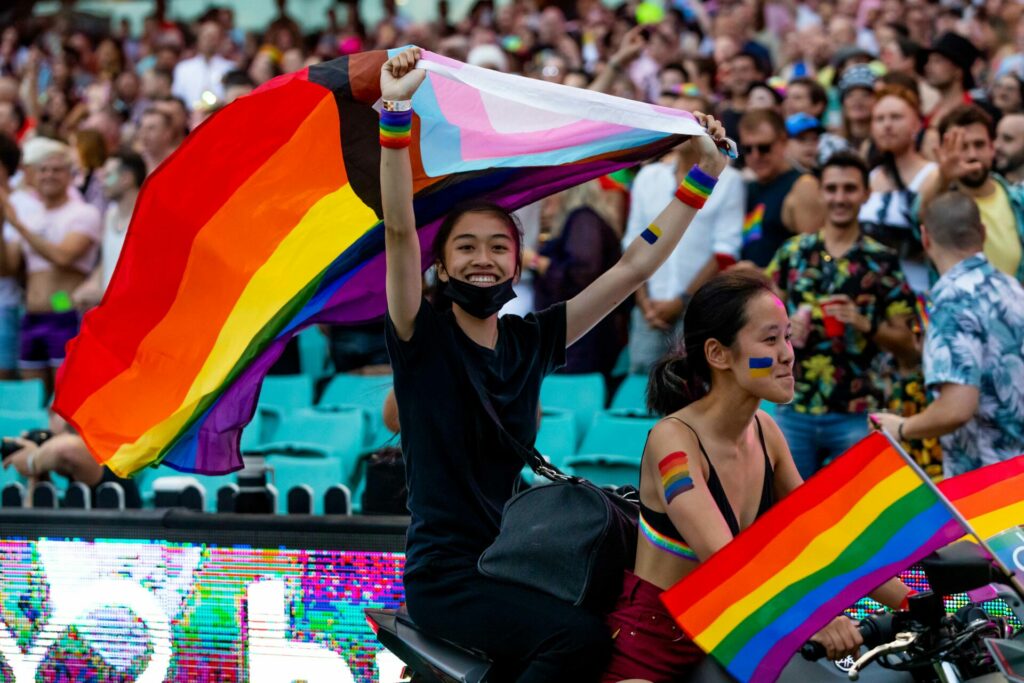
x: 196, y: 75
x: 114, y: 230
x: 717, y: 228
x: 53, y: 225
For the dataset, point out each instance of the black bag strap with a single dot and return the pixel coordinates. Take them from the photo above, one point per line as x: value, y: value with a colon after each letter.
x: 530, y: 456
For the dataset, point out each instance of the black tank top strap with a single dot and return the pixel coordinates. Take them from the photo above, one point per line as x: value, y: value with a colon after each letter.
x: 768, y: 487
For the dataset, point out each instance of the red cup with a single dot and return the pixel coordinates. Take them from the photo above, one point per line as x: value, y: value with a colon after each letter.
x: 834, y: 327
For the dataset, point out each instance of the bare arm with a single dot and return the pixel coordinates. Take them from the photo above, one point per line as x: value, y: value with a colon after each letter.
x: 951, y: 167
x: 633, y: 44
x: 642, y: 258
x: 399, y: 81
x: 803, y: 210
x: 955, y: 407
x: 63, y: 254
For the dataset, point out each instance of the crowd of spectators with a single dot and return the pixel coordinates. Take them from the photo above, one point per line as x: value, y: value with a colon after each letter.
x: 854, y: 119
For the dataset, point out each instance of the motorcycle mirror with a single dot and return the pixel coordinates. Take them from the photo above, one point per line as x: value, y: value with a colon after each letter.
x: 960, y: 567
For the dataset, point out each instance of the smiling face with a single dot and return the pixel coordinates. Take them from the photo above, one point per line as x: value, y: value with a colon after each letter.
x: 480, y: 250
x: 844, y: 191
x: 761, y: 358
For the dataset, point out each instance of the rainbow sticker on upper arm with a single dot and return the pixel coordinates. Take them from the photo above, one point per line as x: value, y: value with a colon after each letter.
x: 675, y: 475
x: 760, y: 367
x: 651, y: 233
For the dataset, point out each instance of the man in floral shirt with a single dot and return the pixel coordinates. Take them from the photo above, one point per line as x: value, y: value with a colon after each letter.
x: 847, y: 299
x: 974, y: 346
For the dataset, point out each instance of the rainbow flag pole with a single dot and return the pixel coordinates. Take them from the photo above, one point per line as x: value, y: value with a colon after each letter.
x: 1011, y: 577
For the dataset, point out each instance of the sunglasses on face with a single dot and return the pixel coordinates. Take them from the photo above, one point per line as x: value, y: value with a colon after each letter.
x: 761, y: 149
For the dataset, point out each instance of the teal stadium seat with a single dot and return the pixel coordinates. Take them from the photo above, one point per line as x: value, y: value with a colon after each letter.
x: 361, y: 391
x: 14, y: 422
x: 24, y: 394
x: 279, y: 395
x: 313, y: 467
x: 619, y: 433
x: 606, y: 470
x: 582, y: 394
x: 314, y: 355
x: 340, y: 433
x: 631, y: 394
x: 556, y: 439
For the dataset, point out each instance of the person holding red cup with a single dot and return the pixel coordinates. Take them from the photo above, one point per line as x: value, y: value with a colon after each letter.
x: 848, y: 301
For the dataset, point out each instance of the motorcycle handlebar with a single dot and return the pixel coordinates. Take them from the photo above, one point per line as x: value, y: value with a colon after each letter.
x: 875, y: 630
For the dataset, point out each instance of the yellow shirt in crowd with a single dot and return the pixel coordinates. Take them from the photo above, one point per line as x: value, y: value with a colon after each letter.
x: 1002, y: 243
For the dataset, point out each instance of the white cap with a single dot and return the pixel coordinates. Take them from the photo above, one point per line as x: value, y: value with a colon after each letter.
x: 489, y: 56
x: 39, y: 148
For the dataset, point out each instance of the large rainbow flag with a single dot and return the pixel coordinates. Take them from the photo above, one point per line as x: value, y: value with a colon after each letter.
x: 991, y: 498
x: 267, y: 220
x: 847, y: 530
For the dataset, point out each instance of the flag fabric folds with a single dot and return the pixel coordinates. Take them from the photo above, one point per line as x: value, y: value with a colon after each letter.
x: 267, y: 220
x: 847, y: 530
x: 991, y: 498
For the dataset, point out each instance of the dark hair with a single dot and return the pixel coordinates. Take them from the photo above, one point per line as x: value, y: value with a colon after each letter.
x: 153, y: 111
x: 756, y: 117
x: 19, y: 113
x: 10, y: 154
x: 776, y: 96
x: 163, y: 73
x: 132, y: 163
x: 964, y: 115
x: 676, y: 66
x: 477, y: 206
x: 953, y: 221
x: 817, y: 90
x: 237, y: 77
x: 717, y: 311
x: 847, y: 159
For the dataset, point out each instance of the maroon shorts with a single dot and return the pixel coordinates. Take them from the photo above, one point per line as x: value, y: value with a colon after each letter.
x: 646, y: 642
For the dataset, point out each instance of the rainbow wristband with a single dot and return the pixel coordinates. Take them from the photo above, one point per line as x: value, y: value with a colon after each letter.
x: 396, y: 129
x: 696, y: 188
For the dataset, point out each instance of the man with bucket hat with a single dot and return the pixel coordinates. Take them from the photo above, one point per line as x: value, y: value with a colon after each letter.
x: 946, y: 66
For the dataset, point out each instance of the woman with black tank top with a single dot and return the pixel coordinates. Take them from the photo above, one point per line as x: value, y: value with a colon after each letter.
x: 712, y: 466
x: 451, y: 361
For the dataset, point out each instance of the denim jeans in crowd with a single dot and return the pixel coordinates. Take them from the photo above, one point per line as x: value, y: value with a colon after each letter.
x: 816, y: 439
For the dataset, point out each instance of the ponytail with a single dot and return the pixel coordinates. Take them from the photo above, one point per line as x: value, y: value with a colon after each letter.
x: 674, y: 383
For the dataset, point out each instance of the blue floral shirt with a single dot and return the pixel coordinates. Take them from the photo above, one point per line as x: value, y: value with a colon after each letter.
x: 976, y: 337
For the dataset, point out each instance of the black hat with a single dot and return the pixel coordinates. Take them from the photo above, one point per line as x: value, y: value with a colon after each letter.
x: 956, y: 49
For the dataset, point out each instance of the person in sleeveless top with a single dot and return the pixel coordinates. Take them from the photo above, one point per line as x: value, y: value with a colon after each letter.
x: 467, y: 382
x: 888, y: 214
x: 713, y: 465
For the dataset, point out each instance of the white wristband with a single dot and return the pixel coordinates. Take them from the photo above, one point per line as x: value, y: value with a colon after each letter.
x: 396, y: 105
x: 30, y: 463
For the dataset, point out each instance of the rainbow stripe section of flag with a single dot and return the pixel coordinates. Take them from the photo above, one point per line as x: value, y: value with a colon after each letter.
x: 847, y: 530
x: 991, y: 498
x: 752, y: 224
x: 268, y: 219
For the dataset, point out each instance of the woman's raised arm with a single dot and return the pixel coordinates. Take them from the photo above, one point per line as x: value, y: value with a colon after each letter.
x: 398, y: 82
x: 647, y: 252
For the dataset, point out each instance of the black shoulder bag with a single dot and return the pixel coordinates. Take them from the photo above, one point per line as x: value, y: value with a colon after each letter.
x: 568, y: 538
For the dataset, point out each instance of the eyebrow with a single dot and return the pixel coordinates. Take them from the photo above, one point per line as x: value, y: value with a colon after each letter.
x: 470, y: 236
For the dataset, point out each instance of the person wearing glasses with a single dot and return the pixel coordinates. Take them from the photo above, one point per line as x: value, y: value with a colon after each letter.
x: 781, y: 201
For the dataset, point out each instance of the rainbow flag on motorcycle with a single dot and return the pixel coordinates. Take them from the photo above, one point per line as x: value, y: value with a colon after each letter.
x: 848, y: 529
x: 990, y: 498
x: 268, y: 220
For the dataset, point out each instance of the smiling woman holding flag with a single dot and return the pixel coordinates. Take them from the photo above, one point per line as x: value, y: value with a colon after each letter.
x: 714, y: 465
x: 461, y: 470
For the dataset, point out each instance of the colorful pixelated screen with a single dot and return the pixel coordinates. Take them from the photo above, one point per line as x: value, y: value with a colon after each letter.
x: 915, y: 578
x: 147, y: 611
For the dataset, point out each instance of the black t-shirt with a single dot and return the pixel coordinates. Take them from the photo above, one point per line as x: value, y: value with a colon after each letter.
x: 459, y: 471
x: 763, y: 229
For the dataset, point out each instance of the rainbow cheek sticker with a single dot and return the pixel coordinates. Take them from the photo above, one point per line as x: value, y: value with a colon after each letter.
x: 760, y: 367
x: 651, y: 234
x: 675, y: 475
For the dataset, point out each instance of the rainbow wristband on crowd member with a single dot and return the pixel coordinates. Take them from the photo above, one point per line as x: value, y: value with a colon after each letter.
x: 396, y: 129
x: 696, y: 188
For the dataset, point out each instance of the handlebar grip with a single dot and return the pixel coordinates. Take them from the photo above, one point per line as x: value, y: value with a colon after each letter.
x: 812, y: 651
x: 875, y: 630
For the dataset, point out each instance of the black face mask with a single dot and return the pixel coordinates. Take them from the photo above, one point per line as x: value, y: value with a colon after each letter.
x: 479, y: 302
